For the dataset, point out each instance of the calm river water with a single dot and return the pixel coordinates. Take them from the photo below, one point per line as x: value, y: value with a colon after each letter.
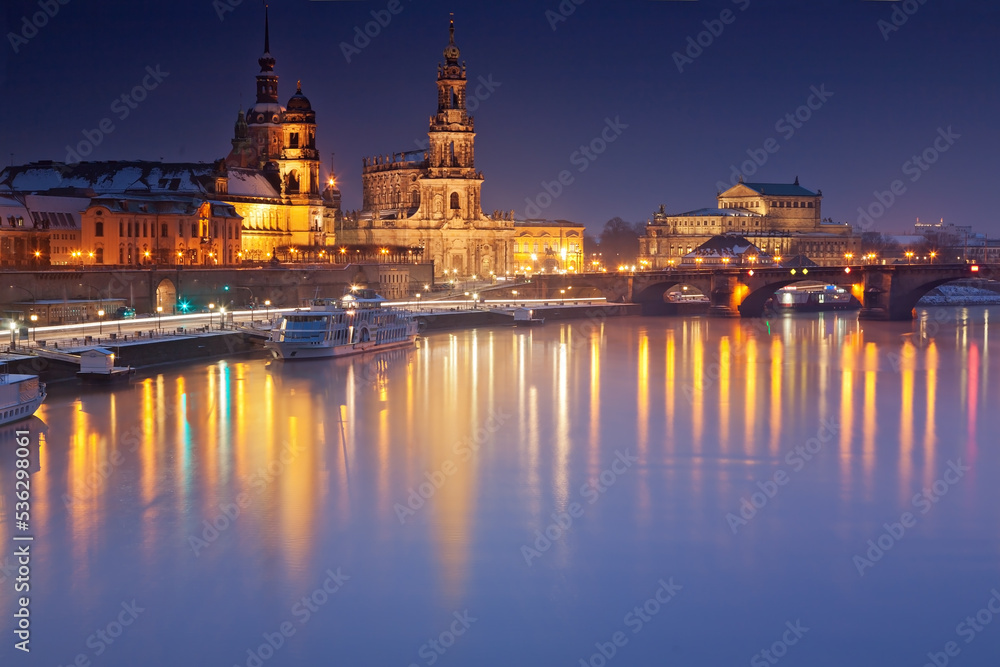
x: 634, y: 491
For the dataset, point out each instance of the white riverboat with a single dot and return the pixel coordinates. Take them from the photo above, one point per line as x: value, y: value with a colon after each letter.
x: 355, y: 323
x: 20, y: 396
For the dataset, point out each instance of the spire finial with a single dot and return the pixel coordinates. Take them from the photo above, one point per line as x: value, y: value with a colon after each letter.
x: 451, y: 28
x: 796, y: 180
x: 298, y: 87
x: 267, y: 31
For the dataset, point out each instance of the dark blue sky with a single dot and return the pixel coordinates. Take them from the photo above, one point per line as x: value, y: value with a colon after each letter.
x: 685, y: 130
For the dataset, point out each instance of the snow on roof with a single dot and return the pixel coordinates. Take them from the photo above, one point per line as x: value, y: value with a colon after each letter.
x: 249, y: 183
x: 725, y: 212
x: 108, y: 177
x: 725, y: 246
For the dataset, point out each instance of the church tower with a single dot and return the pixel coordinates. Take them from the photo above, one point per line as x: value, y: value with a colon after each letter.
x: 452, y: 134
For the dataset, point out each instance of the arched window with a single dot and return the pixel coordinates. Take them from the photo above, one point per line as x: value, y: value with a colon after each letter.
x: 455, y: 204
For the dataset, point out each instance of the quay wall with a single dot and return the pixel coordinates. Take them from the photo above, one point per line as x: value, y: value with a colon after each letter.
x: 283, y: 285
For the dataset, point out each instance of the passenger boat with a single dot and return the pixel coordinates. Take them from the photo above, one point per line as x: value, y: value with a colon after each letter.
x: 20, y: 396
x: 812, y: 298
x: 355, y: 323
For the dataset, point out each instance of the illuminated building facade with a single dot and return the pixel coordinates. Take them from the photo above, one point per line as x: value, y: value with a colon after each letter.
x: 429, y: 201
x: 548, y: 246
x: 137, y: 230
x: 780, y: 219
x: 272, y: 173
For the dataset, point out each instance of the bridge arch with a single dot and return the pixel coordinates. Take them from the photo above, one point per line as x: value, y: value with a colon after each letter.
x: 752, y: 304
x: 902, y: 306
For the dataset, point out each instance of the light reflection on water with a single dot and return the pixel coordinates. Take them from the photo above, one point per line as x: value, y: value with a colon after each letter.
x: 423, y: 473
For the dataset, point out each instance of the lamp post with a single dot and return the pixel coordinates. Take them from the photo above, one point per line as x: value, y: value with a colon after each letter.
x: 211, y: 311
x: 34, y: 326
x: 267, y: 308
x: 13, y: 327
x: 222, y: 318
x: 159, y: 314
x: 100, y: 327
x: 909, y: 256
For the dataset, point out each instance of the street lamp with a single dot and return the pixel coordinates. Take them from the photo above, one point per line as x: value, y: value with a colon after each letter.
x: 34, y: 325
x: 13, y: 327
x: 909, y: 256
x: 267, y: 308
x: 100, y: 327
x: 211, y: 311
x: 848, y: 256
x: 159, y: 314
x: 933, y: 255
x: 222, y: 318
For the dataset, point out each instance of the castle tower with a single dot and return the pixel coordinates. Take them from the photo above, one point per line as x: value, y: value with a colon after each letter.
x: 264, y: 117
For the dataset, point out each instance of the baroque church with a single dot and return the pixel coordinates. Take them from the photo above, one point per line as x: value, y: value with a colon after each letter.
x: 429, y: 201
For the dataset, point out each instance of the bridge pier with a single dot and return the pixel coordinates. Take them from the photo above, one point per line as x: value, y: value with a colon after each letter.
x: 877, y: 293
x: 722, y: 297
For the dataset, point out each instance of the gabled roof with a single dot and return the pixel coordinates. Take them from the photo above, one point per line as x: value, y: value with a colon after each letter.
x: 798, y: 262
x: 109, y: 177
x: 726, y: 245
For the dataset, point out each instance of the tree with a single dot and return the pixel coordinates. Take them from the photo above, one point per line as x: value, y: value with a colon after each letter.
x: 619, y: 242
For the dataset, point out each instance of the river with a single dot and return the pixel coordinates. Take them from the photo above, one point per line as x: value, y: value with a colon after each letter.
x: 631, y: 491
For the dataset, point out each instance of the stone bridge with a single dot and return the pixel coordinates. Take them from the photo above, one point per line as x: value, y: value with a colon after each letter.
x: 885, y: 292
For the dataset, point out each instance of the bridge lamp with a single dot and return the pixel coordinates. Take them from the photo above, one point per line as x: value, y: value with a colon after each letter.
x: 750, y: 272
x: 974, y: 268
x: 805, y: 271
x: 794, y: 272
x: 847, y: 269
x: 933, y: 255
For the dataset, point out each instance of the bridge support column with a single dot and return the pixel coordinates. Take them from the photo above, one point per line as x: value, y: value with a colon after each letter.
x: 722, y: 298
x: 878, y: 287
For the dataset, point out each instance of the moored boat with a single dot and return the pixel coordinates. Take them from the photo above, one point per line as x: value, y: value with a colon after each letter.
x: 97, y: 366
x: 20, y: 396
x: 355, y: 323
x: 525, y: 317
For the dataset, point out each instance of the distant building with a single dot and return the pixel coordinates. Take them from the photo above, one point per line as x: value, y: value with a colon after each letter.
x: 428, y: 202
x: 727, y: 250
x: 548, y: 246
x: 781, y: 219
x: 40, y: 230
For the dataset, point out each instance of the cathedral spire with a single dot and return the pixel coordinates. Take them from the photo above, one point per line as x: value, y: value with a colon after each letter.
x: 451, y: 52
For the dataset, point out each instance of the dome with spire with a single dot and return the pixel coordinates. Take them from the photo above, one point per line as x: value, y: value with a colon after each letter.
x: 298, y: 101
x: 451, y: 52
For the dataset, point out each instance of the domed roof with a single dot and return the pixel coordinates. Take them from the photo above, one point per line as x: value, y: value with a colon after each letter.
x: 264, y: 113
x: 298, y: 101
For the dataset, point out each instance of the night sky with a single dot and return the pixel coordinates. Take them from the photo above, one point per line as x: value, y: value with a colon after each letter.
x: 553, y: 91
